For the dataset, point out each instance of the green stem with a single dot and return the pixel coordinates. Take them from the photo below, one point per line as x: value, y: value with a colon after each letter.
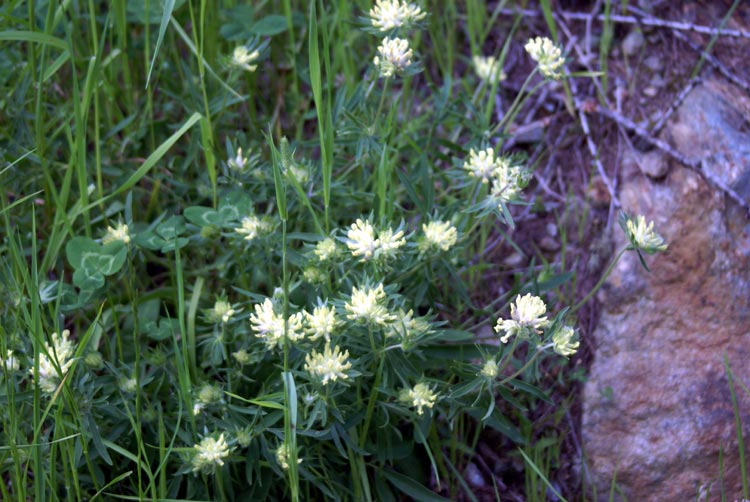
x: 524, y: 367
x: 374, y: 393
x: 601, y: 281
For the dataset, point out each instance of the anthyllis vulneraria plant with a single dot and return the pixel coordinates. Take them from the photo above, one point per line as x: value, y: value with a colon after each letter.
x: 547, y: 55
x: 488, y: 69
x: 54, y: 362
x: 324, y: 295
x: 386, y: 15
x: 246, y: 59
x: 328, y: 366
x: 527, y: 318
x: 394, y: 57
x: 642, y: 236
x: 120, y: 232
x: 209, y: 454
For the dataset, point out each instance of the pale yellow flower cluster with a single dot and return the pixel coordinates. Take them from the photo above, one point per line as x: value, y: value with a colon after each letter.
x: 239, y: 162
x: 243, y: 58
x: 282, y: 456
x: 321, y: 323
x: 563, y: 342
x: 394, y: 56
x: 210, y: 454
x: 405, y: 326
x: 222, y: 312
x: 270, y: 326
x: 547, y: 55
x: 326, y: 249
x: 439, y: 235
x: 505, y: 178
x: 488, y: 69
x: 419, y: 397
x: 490, y: 369
x: 58, y: 354
x: 643, y: 236
x: 386, y: 15
x: 362, y: 241
x: 366, y: 305
x: 328, y: 366
x: 252, y: 226
x: 10, y: 362
x: 527, y: 316
x: 119, y: 232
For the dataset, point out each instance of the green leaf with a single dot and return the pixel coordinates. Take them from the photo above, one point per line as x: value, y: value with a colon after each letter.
x: 148, y: 240
x: 77, y: 247
x: 171, y: 228
x: 168, y: 7
x: 88, y: 280
x: 411, y: 488
x: 269, y: 26
x: 203, y: 216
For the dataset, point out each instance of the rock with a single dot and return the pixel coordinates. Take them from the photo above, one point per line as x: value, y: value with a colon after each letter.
x: 654, y: 63
x: 632, y: 43
x: 653, y: 164
x: 657, y: 404
x: 650, y: 91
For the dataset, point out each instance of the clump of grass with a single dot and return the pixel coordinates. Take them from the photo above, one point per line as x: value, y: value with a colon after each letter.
x: 232, y: 274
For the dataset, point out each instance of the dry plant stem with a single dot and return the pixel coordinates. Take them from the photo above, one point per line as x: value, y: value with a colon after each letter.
x: 713, y: 61
x: 592, y: 146
x: 646, y: 21
x: 664, y: 146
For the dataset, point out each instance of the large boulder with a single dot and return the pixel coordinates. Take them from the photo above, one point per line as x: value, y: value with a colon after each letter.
x: 657, y: 406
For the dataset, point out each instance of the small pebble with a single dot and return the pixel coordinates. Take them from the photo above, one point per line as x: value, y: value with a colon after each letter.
x: 650, y: 91
x: 653, y: 164
x: 633, y: 43
x: 654, y: 63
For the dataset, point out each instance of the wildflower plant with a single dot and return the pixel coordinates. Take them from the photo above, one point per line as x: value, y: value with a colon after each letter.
x: 248, y: 313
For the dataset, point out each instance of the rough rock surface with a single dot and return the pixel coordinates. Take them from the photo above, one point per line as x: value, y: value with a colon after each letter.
x: 657, y: 406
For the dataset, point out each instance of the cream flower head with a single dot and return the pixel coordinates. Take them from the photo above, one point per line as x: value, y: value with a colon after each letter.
x: 119, y: 232
x: 282, y: 456
x: 490, y: 369
x: 386, y: 15
x: 239, y: 162
x: 222, y: 312
x: 394, y: 56
x: 365, y: 305
x: 210, y: 454
x: 361, y: 239
x: 547, y: 55
x: 481, y: 164
x: 326, y: 249
x: 328, y: 366
x: 642, y: 236
x: 322, y: 322
x: 58, y: 354
x: 419, y: 397
x: 242, y: 58
x: 563, y: 342
x: 250, y: 227
x: 488, y: 69
x: 527, y: 316
x: 389, y: 242
x: 269, y: 326
x: 9, y: 363
x: 505, y: 180
x: 440, y: 235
